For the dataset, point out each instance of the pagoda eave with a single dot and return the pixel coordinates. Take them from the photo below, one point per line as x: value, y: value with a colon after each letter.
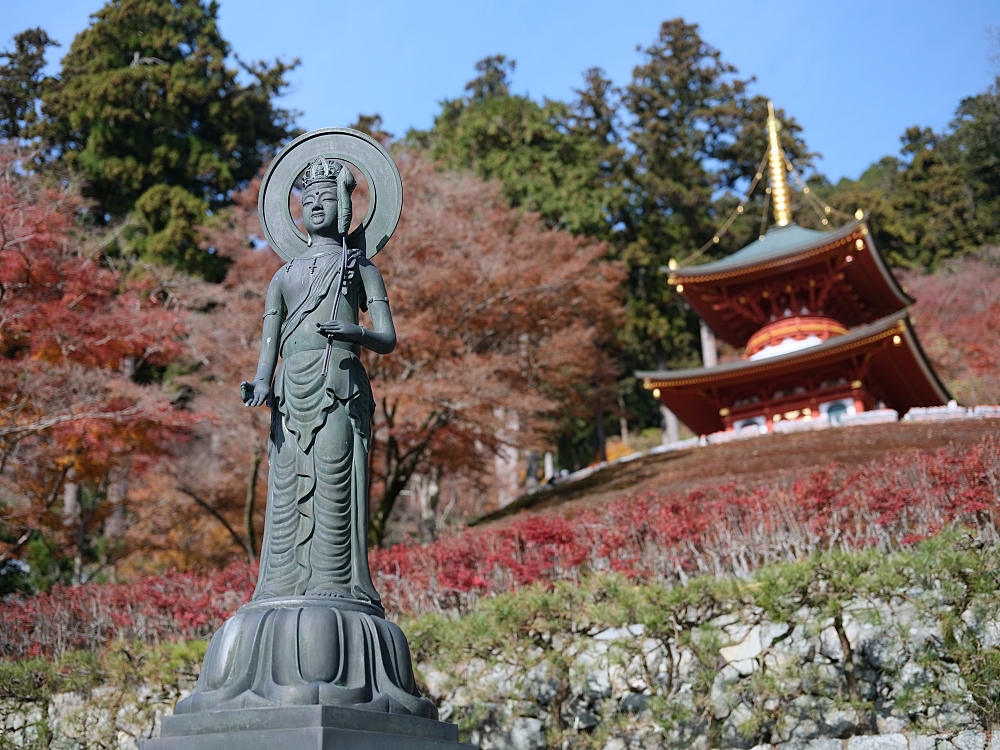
x: 727, y: 293
x: 885, y: 356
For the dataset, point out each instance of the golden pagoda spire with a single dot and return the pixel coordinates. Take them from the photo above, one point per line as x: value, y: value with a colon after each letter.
x: 776, y: 162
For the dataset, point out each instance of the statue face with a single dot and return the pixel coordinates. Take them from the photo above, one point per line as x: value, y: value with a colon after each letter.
x: 319, y: 209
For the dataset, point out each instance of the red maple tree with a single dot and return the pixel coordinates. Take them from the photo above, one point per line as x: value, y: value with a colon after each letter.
x: 957, y: 315
x: 500, y: 325
x: 76, y: 338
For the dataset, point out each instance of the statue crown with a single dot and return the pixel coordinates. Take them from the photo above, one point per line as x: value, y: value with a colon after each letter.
x: 321, y: 169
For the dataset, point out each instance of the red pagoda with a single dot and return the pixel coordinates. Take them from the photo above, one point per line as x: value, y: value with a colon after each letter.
x: 821, y: 320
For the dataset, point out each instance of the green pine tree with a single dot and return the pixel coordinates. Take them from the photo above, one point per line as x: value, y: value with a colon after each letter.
x: 652, y: 169
x: 976, y: 139
x: 547, y: 156
x: 941, y: 196
x: 21, y: 82
x: 149, y: 114
x: 695, y: 133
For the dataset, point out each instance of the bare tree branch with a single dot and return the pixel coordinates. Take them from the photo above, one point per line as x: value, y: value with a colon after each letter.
x: 215, y: 514
x: 44, y: 424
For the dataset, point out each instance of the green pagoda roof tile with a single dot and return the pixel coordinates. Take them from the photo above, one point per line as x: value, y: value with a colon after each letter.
x: 777, y: 242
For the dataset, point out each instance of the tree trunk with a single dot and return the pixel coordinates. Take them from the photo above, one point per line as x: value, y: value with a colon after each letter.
x: 622, y: 420
x: 250, y: 536
x: 399, y: 469
x: 531, y: 471
x: 506, y: 460
x: 845, y: 646
x: 72, y: 518
x: 428, y: 493
x: 114, y: 524
x: 599, y: 435
x: 671, y: 428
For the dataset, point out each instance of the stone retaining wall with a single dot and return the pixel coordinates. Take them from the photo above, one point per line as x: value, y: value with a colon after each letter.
x: 876, y: 677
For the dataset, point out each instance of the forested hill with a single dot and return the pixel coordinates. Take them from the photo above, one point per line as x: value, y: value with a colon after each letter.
x: 525, y: 276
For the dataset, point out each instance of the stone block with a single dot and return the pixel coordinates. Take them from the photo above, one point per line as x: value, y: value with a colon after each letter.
x: 891, y: 724
x: 840, y: 722
x: 926, y: 741
x: 303, y: 728
x: 970, y: 739
x: 830, y: 645
x: 825, y: 743
x: 721, y: 696
x: 878, y: 742
x: 749, y: 648
x: 634, y: 704
x: 575, y: 713
x: 524, y: 734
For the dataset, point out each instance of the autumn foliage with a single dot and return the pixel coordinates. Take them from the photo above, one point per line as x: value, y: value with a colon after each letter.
x: 957, y: 315
x: 502, y: 326
x: 73, y: 338
x: 715, y: 530
x: 125, y: 432
x: 166, y: 607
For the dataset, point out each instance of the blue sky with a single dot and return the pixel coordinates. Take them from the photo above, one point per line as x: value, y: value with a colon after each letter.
x: 854, y: 74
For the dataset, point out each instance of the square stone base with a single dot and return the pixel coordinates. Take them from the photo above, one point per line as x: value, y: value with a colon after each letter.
x: 303, y: 728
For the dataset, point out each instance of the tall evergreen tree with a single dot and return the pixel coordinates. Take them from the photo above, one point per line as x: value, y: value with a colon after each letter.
x: 546, y: 157
x: 695, y: 132
x: 651, y: 169
x: 976, y: 139
x: 21, y: 82
x: 941, y: 196
x: 147, y: 111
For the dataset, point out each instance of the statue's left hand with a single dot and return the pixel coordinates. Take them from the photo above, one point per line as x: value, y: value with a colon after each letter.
x: 341, y: 330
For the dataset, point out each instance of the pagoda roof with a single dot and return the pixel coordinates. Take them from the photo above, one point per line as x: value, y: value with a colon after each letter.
x: 865, y: 288
x: 777, y: 242
x: 898, y: 374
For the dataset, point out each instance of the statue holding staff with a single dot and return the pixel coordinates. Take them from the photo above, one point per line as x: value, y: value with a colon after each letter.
x: 321, y: 400
x: 314, y: 632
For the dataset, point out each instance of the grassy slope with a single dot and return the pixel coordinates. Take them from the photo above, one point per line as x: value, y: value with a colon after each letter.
x: 778, y: 458
x: 943, y: 578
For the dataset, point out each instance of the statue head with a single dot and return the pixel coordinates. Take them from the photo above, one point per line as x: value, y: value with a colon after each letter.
x: 326, y: 199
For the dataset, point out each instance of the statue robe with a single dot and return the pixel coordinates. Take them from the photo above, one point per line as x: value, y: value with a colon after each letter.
x: 315, y: 532
x: 315, y: 632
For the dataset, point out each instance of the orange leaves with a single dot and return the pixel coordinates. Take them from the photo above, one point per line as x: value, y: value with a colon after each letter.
x: 73, y: 333
x: 493, y: 310
x: 957, y: 316
x: 500, y: 323
x: 57, y: 303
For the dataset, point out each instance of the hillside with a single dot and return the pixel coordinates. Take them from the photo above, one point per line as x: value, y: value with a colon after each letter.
x: 834, y: 590
x: 858, y: 651
x: 775, y: 458
x: 719, y: 510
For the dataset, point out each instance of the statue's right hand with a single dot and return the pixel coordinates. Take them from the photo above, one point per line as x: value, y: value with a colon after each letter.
x: 256, y: 393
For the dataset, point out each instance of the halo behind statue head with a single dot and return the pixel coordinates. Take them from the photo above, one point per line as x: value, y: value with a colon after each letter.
x: 346, y: 145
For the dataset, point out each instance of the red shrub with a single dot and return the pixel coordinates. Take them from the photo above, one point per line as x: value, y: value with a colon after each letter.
x: 715, y: 530
x: 729, y: 529
x: 172, y: 606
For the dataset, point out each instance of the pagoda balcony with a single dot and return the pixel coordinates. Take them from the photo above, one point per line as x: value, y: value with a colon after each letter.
x: 791, y: 334
x: 845, y: 374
